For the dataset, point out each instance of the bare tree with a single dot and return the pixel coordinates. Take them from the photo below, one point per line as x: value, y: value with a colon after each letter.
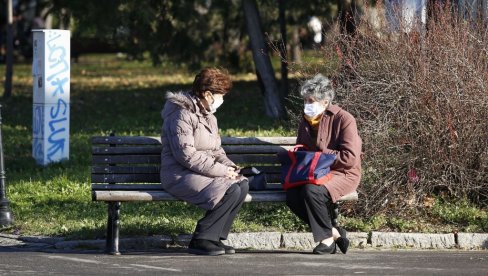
x: 272, y: 96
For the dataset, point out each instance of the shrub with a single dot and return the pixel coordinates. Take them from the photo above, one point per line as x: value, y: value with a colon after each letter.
x: 421, y: 103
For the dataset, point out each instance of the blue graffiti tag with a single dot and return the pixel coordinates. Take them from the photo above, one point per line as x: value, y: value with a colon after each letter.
x: 59, y: 85
x: 58, y: 118
x: 57, y: 60
x: 38, y: 152
x: 37, y: 129
x: 58, y: 64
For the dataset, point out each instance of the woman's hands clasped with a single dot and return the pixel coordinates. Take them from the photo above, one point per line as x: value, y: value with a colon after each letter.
x: 231, y: 173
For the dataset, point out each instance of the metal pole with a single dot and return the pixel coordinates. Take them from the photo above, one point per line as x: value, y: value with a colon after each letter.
x: 5, y: 214
x: 10, y: 51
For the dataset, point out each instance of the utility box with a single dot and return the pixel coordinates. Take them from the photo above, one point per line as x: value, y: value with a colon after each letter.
x: 51, y: 93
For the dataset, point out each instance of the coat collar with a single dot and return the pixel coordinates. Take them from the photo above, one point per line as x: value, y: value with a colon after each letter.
x: 187, y: 101
x: 334, y: 109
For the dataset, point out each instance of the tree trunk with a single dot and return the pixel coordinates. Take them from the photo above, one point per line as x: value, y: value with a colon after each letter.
x: 272, y: 98
x: 283, y: 54
x: 485, y: 11
x: 10, y: 51
x: 297, y: 52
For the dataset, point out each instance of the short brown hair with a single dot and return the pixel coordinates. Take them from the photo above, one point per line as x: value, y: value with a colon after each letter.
x: 213, y: 80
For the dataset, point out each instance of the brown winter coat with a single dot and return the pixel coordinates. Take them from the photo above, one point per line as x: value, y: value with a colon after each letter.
x: 337, y: 134
x: 193, y: 163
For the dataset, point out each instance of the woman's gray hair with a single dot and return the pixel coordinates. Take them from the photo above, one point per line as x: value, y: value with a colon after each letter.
x: 319, y: 87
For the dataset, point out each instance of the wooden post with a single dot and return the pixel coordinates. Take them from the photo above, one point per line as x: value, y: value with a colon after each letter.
x: 10, y: 51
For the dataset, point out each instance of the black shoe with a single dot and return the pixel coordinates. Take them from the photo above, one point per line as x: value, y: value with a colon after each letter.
x: 342, y: 242
x: 228, y: 249
x: 204, y: 247
x: 325, y: 249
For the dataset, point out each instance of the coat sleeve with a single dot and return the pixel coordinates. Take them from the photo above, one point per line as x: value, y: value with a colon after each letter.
x: 182, y: 144
x: 221, y: 157
x: 349, y: 146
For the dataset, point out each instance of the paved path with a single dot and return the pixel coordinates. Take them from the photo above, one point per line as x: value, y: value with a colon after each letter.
x: 177, y: 262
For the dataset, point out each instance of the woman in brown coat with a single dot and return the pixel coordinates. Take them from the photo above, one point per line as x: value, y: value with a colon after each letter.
x: 194, y: 167
x: 327, y: 128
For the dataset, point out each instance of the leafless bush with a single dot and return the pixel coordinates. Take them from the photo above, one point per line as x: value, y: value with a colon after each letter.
x: 421, y: 103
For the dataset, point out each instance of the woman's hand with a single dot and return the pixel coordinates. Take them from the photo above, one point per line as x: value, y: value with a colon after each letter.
x: 231, y: 173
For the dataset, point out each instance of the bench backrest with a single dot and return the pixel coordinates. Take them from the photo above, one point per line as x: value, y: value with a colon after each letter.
x: 129, y: 159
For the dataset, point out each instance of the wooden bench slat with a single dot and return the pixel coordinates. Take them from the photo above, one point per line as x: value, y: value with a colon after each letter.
x: 258, y: 140
x: 254, y: 196
x: 136, y: 150
x: 132, y: 196
x: 253, y: 149
x: 126, y: 178
x: 269, y: 169
x: 349, y: 197
x: 127, y: 187
x: 101, y: 169
x: 155, y: 159
x: 126, y: 140
x: 150, y: 178
x: 153, y: 187
x: 149, y: 140
x: 127, y: 159
x: 125, y: 169
x: 253, y: 158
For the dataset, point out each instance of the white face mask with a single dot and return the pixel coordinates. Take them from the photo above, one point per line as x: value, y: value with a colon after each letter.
x: 314, y: 109
x: 217, y: 102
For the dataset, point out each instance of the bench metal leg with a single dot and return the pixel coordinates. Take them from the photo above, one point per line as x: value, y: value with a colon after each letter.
x: 113, y: 225
x: 334, y: 214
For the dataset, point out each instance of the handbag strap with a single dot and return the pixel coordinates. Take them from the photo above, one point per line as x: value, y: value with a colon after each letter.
x: 313, y: 165
x: 297, y: 147
x: 293, y: 164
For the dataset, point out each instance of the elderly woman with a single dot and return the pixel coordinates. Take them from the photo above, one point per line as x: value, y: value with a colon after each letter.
x: 194, y: 167
x: 329, y: 129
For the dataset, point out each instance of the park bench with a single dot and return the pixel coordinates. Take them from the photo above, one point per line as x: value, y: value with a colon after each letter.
x: 126, y: 168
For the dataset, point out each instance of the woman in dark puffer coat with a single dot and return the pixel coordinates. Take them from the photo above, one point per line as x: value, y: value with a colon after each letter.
x: 194, y: 167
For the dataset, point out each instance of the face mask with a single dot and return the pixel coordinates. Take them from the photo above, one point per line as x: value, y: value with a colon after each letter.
x: 313, y: 110
x: 217, y: 102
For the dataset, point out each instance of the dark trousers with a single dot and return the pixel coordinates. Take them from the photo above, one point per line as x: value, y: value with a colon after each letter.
x: 311, y: 204
x: 216, y: 223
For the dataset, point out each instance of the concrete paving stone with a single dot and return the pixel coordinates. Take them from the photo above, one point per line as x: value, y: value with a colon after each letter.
x: 264, y: 240
x: 183, y: 239
x: 305, y: 240
x: 9, y: 236
x: 124, y: 243
x: 302, y: 241
x: 41, y: 239
x: 412, y: 240
x: 4, y: 241
x: 86, y: 244
x: 473, y: 240
x: 37, y: 245
x: 159, y: 241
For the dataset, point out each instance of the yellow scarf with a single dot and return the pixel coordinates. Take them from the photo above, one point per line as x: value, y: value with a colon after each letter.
x: 314, y: 122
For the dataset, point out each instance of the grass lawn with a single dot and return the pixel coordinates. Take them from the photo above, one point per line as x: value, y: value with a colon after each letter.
x: 110, y: 94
